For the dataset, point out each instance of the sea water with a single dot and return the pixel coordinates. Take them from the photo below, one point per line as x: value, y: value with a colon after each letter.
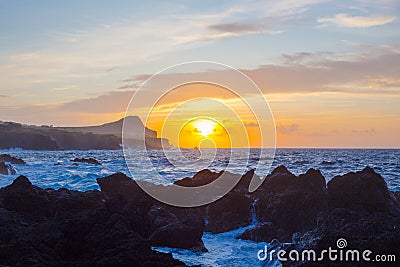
x: 54, y: 169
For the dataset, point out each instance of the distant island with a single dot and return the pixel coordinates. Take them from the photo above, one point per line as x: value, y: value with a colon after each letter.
x: 105, y: 136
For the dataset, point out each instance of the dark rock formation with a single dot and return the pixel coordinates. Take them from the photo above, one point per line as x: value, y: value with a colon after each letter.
x: 3, y: 168
x: 230, y: 212
x: 262, y: 232
x: 164, y: 225
x: 7, y: 169
x: 396, y: 195
x: 71, y: 228
x: 118, y: 184
x: 89, y: 161
x: 12, y: 160
x: 378, y: 232
x: 119, y: 224
x: 288, y: 203
x: 356, y: 206
x: 201, y: 178
x: 363, y: 190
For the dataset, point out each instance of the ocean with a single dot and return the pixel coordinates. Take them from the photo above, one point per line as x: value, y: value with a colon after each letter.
x: 54, y: 169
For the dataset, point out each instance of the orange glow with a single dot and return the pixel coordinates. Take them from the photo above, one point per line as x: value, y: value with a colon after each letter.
x: 204, y: 127
x: 203, y: 133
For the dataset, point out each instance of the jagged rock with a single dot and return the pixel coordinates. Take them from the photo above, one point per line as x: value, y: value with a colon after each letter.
x: 244, y: 182
x: 376, y: 231
x: 176, y: 229
x: 119, y: 184
x: 279, y: 180
x: 290, y: 203
x: 396, y: 194
x: 365, y: 190
x: 230, y: 212
x: 85, y: 160
x: 164, y: 225
x: 3, y: 168
x: 28, y: 200
x: 12, y: 160
x: 71, y: 228
x: 262, y: 232
x: 201, y: 178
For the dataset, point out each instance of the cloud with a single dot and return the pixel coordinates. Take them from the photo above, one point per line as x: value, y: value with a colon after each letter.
x: 288, y: 129
x: 239, y: 28
x: 234, y: 27
x: 372, y: 70
x: 111, y: 102
x: 306, y: 57
x: 4, y: 96
x: 346, y: 20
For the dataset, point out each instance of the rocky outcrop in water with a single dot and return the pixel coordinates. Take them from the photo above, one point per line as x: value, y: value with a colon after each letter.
x: 42, y: 227
x: 363, y: 190
x: 7, y: 169
x: 5, y: 164
x: 229, y: 212
x: 3, y: 168
x: 12, y: 160
x: 162, y: 224
x: 88, y: 161
x: 356, y: 206
x: 286, y: 204
x: 119, y: 224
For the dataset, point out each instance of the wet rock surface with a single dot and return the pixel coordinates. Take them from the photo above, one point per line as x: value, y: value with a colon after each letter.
x: 42, y: 227
x: 11, y: 159
x: 88, y: 161
x: 356, y: 206
x: 119, y: 224
x: 3, y: 168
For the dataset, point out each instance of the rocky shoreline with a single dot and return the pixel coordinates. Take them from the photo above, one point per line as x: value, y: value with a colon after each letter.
x: 119, y: 224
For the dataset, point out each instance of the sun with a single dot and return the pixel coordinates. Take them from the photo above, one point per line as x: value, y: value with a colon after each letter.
x: 204, y: 127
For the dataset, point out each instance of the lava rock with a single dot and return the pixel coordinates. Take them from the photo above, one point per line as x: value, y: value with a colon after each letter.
x: 290, y: 203
x: 12, y: 160
x: 85, y: 160
x: 176, y: 229
x: 363, y: 190
x: 3, y: 168
x: 71, y: 228
x: 201, y: 178
x: 119, y: 184
x: 28, y: 200
x: 261, y: 232
x: 230, y: 212
x: 377, y: 232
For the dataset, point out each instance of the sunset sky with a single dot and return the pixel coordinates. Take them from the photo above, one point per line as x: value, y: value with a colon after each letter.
x: 330, y: 70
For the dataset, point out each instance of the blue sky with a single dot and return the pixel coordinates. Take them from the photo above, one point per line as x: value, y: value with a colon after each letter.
x: 59, y: 53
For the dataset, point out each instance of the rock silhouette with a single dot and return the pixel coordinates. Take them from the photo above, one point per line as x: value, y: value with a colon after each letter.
x: 119, y: 224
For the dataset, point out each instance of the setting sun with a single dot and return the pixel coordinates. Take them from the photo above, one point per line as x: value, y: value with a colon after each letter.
x: 204, y: 127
